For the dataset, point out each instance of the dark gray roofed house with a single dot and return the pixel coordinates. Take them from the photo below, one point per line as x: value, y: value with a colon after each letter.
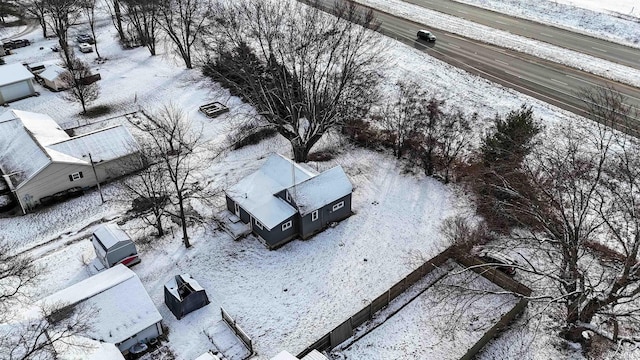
x: 284, y: 200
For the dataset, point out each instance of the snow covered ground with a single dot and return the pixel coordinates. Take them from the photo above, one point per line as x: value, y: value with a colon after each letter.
x: 287, y: 298
x: 614, y: 20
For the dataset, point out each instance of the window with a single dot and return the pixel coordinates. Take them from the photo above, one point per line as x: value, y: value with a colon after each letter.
x: 287, y: 225
x: 314, y: 215
x: 258, y: 225
x: 76, y: 176
x: 286, y: 195
x: 337, y: 206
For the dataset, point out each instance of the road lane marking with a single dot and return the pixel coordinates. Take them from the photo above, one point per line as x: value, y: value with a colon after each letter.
x: 500, y: 22
x: 454, y: 45
x: 462, y: 11
x: 513, y: 74
x: 501, y: 62
x: 545, y: 34
x: 595, y: 48
x: 559, y: 82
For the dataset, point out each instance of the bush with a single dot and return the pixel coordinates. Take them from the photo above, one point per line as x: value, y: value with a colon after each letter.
x: 251, y: 134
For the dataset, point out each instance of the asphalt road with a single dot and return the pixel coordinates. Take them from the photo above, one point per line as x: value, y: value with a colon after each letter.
x: 550, y: 82
x: 553, y: 35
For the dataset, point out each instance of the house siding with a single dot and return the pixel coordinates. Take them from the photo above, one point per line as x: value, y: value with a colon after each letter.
x: 145, y: 335
x: 326, y: 215
x: 52, y: 179
x: 276, y: 237
x: 244, y: 215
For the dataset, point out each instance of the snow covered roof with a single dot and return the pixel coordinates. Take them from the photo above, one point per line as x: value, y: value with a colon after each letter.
x: 110, y: 235
x: 172, y: 285
x: 207, y: 356
x: 82, y: 348
x: 123, y: 306
x: 256, y: 192
x: 30, y: 141
x: 321, y: 190
x: 52, y: 72
x: 104, y: 144
x: 284, y: 355
x: 13, y: 73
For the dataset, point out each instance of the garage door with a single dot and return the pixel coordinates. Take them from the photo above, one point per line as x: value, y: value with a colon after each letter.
x: 16, y: 91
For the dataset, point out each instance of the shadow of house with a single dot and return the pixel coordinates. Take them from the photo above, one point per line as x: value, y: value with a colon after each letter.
x: 284, y: 200
x: 41, y: 160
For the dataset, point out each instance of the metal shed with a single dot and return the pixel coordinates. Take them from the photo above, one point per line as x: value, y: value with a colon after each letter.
x: 183, y: 294
x: 113, y: 246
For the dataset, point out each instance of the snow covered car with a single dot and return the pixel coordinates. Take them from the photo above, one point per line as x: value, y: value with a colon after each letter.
x: 85, y: 48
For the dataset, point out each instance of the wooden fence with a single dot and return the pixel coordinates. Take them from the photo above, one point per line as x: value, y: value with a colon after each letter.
x: 344, y: 331
x: 246, y: 340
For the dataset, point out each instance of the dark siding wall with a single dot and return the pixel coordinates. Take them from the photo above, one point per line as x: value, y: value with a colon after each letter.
x: 276, y: 237
x: 229, y: 204
x: 244, y: 216
x: 328, y: 215
x: 308, y: 227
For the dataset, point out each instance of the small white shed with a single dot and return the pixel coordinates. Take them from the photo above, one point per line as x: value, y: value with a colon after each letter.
x: 16, y: 82
x: 113, y: 246
x: 53, y: 77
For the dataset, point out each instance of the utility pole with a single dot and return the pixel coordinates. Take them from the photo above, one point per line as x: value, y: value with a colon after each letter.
x: 96, y: 176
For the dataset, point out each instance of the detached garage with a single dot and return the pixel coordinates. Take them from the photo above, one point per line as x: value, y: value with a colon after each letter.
x: 16, y: 82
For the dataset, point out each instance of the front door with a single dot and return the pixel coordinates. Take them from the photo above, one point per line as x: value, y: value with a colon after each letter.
x: 236, y: 209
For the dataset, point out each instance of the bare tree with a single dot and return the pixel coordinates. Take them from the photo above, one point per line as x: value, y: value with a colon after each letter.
x: 582, y: 196
x: 37, y: 9
x: 39, y: 332
x: 77, y: 80
x: 306, y: 72
x: 183, y: 21
x: 401, y: 117
x: 17, y: 272
x: 116, y: 18
x: 148, y: 188
x: 453, y: 138
x: 426, y: 135
x: 8, y: 8
x: 61, y: 15
x: 143, y: 14
x: 176, y: 145
x: 89, y: 8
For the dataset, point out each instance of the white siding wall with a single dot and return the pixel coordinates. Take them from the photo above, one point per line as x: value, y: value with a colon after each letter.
x: 54, y: 178
x: 145, y: 335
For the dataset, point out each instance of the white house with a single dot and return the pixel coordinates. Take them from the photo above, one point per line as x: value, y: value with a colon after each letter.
x: 16, y: 82
x: 53, y: 77
x: 125, y: 313
x: 40, y: 160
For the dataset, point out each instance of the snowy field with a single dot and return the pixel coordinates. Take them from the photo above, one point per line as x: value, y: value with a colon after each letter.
x: 287, y: 298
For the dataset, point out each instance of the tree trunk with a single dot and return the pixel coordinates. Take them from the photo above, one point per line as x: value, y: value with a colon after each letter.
x: 116, y: 10
x: 183, y: 220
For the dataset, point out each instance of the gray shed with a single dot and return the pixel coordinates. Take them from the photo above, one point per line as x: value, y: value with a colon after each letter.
x: 183, y: 294
x: 113, y: 246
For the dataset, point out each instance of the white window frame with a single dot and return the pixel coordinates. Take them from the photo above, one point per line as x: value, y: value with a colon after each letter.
x: 76, y: 176
x: 258, y: 224
x: 287, y: 225
x: 338, y: 206
x: 314, y: 215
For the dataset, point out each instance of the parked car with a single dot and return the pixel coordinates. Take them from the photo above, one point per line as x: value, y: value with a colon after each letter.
x: 14, y: 44
x: 85, y: 38
x: 501, y: 261
x: 426, y: 35
x: 85, y: 48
